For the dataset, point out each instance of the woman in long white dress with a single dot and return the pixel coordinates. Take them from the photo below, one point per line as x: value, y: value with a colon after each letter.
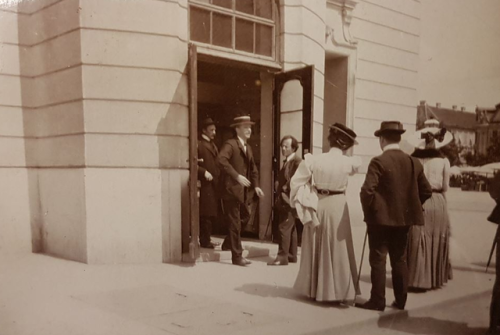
x: 428, y: 246
x: 327, y: 265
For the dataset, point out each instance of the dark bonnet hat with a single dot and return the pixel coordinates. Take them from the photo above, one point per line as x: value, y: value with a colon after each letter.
x: 344, y: 136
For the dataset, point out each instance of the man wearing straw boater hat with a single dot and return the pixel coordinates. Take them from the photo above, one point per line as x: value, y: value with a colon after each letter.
x: 240, y: 173
x: 391, y: 197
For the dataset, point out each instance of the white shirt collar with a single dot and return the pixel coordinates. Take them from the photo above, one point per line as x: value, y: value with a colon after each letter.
x: 393, y: 146
x: 242, y: 141
x: 289, y: 158
x: 335, y: 151
x: 205, y: 137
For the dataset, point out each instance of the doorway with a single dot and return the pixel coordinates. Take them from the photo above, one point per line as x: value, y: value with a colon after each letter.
x: 223, y: 92
x: 220, y: 88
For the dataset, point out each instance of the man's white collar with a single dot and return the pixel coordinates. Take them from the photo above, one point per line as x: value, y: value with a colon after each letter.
x: 289, y: 158
x: 205, y: 137
x: 393, y: 146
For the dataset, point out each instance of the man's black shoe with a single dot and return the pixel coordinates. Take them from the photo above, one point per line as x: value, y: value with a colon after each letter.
x: 292, y: 259
x: 398, y: 306
x: 277, y: 261
x: 371, y: 306
x: 208, y: 246
x: 240, y: 262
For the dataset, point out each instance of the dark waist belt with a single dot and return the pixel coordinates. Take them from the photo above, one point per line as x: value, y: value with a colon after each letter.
x: 437, y: 191
x: 329, y: 192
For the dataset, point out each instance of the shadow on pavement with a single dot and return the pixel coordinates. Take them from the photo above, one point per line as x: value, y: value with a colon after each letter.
x: 426, y: 325
x: 265, y: 291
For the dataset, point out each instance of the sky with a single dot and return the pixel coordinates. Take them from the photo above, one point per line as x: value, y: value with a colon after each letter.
x: 460, y: 53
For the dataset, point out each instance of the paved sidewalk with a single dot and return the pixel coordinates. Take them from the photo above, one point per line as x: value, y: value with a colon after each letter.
x: 48, y: 296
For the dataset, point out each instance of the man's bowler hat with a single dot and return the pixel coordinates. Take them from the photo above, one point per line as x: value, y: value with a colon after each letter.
x: 390, y: 127
x: 207, y: 122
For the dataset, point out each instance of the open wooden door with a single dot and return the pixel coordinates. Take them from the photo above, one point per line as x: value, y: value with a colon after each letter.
x: 293, y: 114
x: 190, y: 228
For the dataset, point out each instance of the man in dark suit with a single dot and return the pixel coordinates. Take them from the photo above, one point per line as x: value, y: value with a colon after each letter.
x: 208, y: 175
x: 240, y: 173
x: 391, y: 197
x: 287, y: 250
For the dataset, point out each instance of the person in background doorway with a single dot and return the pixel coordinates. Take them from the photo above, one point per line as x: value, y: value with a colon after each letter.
x: 327, y: 263
x: 287, y: 250
x: 391, y: 197
x: 208, y: 175
x: 428, y: 245
x: 240, y: 173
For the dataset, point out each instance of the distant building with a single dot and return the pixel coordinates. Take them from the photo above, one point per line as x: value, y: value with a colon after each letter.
x: 460, y: 123
x: 488, y: 125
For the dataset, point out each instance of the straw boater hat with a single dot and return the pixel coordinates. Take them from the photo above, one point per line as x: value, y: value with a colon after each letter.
x: 430, y: 132
x: 242, y: 120
x: 343, y: 131
x: 390, y: 127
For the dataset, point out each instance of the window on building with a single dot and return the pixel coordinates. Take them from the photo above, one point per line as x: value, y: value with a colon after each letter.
x: 240, y: 26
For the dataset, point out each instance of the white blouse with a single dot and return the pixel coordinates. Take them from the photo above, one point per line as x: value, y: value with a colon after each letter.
x: 331, y: 170
x: 437, y: 172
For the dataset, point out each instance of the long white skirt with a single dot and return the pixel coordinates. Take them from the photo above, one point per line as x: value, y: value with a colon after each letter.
x: 327, y: 263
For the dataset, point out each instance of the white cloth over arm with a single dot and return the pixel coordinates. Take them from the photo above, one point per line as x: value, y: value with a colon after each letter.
x: 303, y: 197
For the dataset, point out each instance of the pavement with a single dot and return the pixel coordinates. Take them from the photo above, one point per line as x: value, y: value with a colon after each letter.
x: 44, y: 295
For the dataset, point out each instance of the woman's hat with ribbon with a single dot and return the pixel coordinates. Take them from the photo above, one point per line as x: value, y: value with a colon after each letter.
x: 432, y: 136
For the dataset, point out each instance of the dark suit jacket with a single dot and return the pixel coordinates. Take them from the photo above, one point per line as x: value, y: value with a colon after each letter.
x: 233, y: 161
x: 209, y: 189
x: 494, y: 189
x: 285, y: 175
x: 394, y: 190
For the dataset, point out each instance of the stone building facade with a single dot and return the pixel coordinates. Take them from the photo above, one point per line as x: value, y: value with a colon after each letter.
x: 100, y: 99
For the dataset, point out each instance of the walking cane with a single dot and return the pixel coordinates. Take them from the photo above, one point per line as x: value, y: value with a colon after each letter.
x: 491, y: 252
x: 361, y: 264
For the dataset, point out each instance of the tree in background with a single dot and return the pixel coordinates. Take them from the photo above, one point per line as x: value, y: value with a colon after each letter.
x: 452, y: 151
x: 492, y: 155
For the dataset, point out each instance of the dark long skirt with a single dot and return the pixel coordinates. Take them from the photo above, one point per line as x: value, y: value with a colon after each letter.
x: 428, y: 246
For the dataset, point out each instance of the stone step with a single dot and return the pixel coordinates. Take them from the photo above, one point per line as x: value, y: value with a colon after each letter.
x: 251, y: 249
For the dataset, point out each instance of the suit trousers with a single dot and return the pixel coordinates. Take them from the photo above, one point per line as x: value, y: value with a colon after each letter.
x: 232, y: 210
x: 392, y: 240
x: 206, y: 223
x: 495, y: 299
x: 288, y: 236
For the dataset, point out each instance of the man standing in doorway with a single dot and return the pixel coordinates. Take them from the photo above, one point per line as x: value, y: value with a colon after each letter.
x: 287, y: 250
x: 208, y: 174
x: 392, y: 196
x: 240, y: 173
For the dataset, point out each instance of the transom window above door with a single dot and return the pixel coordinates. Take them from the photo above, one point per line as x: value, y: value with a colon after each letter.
x: 240, y: 26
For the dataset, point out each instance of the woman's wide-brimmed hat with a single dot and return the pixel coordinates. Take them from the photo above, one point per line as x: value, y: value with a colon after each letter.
x: 242, y: 120
x: 348, y: 133
x: 390, y: 127
x: 431, y: 132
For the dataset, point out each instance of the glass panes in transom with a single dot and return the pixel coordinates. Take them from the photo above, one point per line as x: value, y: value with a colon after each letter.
x: 246, y: 26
